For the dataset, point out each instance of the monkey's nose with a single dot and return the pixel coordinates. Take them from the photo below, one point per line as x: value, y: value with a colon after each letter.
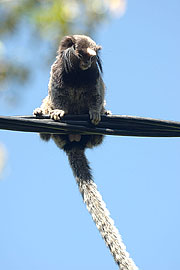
x: 87, y: 61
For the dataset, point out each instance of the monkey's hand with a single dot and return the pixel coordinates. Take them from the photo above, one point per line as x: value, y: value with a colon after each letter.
x: 57, y: 114
x: 95, y: 117
x: 38, y: 112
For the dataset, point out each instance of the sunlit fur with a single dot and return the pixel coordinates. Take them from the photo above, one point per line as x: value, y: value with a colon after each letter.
x: 67, y: 57
x: 76, y: 87
x: 78, y: 54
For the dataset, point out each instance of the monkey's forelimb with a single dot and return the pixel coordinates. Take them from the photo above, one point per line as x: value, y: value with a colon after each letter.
x: 97, y: 208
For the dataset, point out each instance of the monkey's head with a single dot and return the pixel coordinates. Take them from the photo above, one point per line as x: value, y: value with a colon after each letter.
x: 79, y: 51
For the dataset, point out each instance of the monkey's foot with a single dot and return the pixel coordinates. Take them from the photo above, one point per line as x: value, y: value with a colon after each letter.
x: 57, y: 114
x: 95, y: 117
x: 38, y: 112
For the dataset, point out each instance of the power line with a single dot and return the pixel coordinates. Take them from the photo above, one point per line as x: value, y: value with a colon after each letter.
x: 119, y: 125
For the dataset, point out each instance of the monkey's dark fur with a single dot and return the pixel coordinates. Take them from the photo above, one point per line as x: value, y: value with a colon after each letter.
x: 75, y: 87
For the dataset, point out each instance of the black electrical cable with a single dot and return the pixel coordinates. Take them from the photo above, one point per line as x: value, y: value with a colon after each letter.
x: 119, y: 125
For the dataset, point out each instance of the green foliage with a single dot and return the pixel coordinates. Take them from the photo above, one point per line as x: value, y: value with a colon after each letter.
x: 46, y: 20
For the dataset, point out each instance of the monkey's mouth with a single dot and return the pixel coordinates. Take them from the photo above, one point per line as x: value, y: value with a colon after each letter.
x: 84, y: 66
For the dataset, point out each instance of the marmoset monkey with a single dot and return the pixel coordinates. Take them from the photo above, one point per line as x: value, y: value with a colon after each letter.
x: 75, y: 87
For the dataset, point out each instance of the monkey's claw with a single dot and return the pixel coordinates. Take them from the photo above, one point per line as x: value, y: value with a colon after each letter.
x: 57, y: 114
x: 38, y: 112
x: 108, y: 112
x: 95, y: 117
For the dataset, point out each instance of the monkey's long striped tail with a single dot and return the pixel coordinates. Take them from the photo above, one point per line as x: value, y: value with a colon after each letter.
x: 101, y: 216
x: 97, y: 208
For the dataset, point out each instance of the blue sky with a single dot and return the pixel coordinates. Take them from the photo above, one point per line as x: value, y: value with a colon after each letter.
x: 44, y: 224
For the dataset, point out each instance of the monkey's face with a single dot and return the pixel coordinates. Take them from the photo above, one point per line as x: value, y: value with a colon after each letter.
x: 80, y: 51
x: 86, y: 56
